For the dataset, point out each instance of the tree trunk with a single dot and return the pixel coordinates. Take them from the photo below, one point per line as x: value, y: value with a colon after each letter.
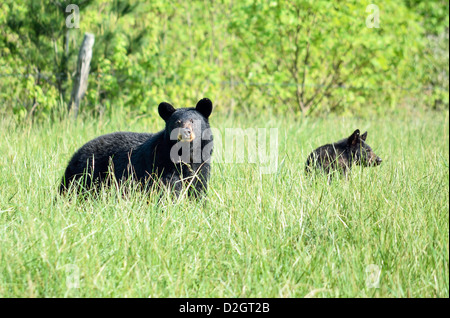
x: 81, y: 78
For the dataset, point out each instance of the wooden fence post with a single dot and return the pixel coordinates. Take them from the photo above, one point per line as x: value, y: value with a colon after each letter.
x: 81, y: 78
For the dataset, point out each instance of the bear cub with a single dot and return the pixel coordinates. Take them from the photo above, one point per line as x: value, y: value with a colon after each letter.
x: 177, y: 156
x: 340, y: 156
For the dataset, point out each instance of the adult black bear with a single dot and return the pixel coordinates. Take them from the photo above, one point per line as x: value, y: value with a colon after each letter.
x: 179, y: 154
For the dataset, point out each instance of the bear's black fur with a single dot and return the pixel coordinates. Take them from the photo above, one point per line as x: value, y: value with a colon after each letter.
x: 179, y: 154
x: 340, y: 155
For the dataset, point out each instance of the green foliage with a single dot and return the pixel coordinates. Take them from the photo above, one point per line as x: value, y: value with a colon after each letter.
x: 434, y: 12
x: 301, y: 57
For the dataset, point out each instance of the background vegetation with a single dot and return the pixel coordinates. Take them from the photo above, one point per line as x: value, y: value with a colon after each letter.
x: 299, y: 57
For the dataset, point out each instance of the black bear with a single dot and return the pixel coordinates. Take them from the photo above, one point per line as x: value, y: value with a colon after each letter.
x: 178, y: 155
x: 340, y: 155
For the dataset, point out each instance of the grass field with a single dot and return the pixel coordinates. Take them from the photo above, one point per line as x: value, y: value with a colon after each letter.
x: 274, y: 235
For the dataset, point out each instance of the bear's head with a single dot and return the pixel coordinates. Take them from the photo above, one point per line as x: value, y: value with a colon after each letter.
x: 187, y: 126
x: 361, y: 151
x: 186, y: 123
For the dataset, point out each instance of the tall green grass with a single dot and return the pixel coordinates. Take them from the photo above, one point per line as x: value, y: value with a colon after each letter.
x: 274, y: 235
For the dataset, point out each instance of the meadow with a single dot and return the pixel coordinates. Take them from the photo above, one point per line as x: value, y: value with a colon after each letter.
x: 382, y: 233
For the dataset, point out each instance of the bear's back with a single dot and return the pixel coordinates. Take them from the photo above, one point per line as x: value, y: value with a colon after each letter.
x: 113, y: 143
x: 102, y: 148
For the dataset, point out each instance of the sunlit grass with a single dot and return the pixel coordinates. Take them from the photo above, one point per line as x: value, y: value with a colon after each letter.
x: 274, y: 235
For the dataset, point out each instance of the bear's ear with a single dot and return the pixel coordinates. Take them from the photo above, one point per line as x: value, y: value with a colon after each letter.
x: 364, y: 136
x: 165, y: 110
x: 204, y: 107
x: 354, y: 138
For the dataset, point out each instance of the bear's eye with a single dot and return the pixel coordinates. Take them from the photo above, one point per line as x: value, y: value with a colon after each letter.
x: 178, y: 121
x: 191, y: 121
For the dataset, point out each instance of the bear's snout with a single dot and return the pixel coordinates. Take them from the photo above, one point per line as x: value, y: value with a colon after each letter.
x: 186, y: 134
x: 375, y: 161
